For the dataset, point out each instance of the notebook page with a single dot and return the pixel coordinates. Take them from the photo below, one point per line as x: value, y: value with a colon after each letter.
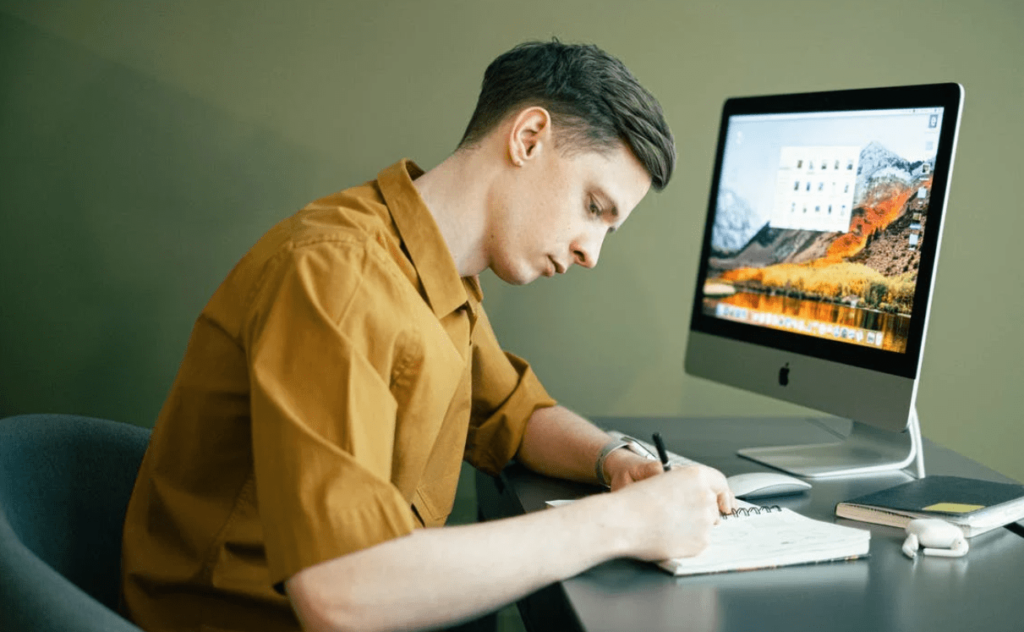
x: 776, y: 538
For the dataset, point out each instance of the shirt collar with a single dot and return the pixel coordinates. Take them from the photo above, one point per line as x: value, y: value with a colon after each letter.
x: 422, y: 238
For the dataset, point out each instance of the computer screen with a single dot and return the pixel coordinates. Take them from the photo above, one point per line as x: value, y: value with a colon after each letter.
x: 821, y: 241
x: 819, y: 222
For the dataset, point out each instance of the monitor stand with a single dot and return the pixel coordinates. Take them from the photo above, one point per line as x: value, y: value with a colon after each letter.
x: 866, y: 450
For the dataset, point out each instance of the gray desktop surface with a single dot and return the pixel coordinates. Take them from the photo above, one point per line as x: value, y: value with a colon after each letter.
x: 887, y: 591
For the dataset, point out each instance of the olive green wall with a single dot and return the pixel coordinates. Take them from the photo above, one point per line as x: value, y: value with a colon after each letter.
x: 145, y: 146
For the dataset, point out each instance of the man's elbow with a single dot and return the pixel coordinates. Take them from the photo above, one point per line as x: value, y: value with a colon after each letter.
x: 323, y: 608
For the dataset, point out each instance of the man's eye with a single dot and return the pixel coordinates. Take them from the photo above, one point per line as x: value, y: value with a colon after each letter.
x: 594, y: 209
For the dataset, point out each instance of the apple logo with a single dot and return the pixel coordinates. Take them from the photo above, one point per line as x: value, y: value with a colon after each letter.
x: 784, y: 375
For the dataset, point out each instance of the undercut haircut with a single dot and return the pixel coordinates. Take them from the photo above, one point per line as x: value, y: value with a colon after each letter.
x: 593, y: 99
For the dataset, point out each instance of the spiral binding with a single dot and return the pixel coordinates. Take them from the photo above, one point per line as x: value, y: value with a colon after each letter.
x: 743, y: 512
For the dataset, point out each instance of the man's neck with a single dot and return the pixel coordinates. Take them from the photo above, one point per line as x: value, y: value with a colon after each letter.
x: 455, y: 191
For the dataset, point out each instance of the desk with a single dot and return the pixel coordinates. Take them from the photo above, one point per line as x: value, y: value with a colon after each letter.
x: 982, y: 591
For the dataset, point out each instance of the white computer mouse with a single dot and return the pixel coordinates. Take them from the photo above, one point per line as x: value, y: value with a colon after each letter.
x: 763, y: 484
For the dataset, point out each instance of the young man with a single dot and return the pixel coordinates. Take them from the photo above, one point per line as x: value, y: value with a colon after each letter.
x: 345, y: 367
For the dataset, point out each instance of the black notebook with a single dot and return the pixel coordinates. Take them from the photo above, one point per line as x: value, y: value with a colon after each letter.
x: 974, y: 505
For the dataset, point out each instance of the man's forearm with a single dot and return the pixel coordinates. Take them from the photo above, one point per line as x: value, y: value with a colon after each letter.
x: 560, y: 443
x: 437, y: 576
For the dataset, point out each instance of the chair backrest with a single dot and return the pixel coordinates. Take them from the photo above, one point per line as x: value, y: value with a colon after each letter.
x: 65, y: 482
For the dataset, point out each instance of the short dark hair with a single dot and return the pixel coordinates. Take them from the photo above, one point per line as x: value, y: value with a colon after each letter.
x: 592, y: 97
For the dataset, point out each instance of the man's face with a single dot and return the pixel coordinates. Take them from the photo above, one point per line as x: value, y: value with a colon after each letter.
x: 557, y: 210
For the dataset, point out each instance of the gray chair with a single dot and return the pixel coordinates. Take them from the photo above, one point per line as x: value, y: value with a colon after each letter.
x: 65, y: 481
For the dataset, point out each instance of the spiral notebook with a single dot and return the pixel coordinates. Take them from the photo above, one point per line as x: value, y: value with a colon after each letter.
x: 769, y: 537
x: 755, y: 538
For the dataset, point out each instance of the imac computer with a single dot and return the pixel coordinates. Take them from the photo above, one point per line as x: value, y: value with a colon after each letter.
x: 818, y: 263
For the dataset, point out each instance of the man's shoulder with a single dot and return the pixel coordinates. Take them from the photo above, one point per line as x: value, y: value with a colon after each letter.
x: 340, y: 240
x: 351, y: 222
x: 353, y: 213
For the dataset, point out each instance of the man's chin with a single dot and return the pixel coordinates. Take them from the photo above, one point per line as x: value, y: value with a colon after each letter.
x: 520, y: 281
x: 516, y: 277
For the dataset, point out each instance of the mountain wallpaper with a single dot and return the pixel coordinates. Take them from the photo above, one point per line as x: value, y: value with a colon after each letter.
x: 873, y: 265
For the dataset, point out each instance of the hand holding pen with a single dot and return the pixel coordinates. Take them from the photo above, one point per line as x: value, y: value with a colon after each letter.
x: 727, y: 502
x: 675, y: 512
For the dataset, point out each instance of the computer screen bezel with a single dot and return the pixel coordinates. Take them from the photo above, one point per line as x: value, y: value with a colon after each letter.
x: 905, y: 364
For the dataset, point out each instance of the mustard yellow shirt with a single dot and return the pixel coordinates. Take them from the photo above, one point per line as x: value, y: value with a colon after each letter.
x: 329, y: 392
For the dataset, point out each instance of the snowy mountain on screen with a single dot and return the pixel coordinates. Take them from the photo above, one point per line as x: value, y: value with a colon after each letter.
x: 735, y: 223
x: 879, y: 165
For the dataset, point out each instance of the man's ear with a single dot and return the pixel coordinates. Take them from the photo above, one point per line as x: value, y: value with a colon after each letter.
x: 529, y: 135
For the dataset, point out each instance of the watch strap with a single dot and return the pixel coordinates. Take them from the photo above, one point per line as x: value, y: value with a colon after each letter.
x: 611, y: 446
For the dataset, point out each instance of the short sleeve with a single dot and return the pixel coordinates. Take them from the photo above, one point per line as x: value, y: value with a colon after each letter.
x: 322, y: 414
x: 506, y: 391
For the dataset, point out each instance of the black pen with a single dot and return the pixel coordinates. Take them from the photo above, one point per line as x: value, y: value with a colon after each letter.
x: 662, y: 453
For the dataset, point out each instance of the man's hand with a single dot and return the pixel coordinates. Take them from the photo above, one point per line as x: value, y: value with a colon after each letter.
x: 680, y: 508
x: 675, y: 510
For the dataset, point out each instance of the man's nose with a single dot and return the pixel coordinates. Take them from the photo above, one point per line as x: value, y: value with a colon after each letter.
x: 585, y: 252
